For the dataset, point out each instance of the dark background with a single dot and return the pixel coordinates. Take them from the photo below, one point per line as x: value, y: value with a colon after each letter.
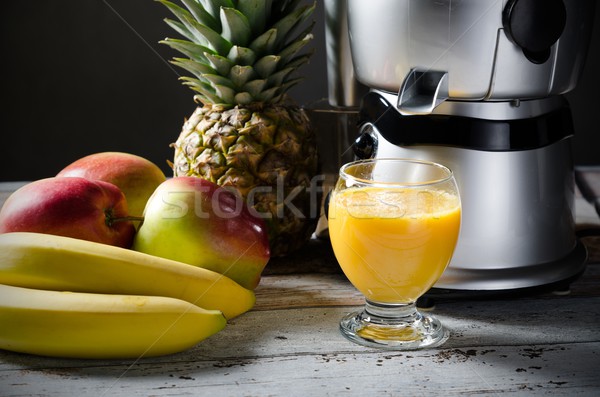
x: 85, y: 76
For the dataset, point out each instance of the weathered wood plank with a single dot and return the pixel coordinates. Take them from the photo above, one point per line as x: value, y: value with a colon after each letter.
x: 311, y: 290
x: 568, y: 369
x: 482, y: 323
x: 289, y: 332
x: 306, y: 290
x: 290, y: 345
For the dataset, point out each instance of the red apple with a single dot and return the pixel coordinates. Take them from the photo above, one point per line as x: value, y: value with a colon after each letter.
x: 195, y: 221
x: 71, y: 207
x: 136, y: 176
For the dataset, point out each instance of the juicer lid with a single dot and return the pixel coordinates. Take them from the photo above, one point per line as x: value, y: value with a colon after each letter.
x: 472, y: 50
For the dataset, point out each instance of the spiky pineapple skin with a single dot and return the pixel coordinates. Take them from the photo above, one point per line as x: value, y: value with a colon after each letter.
x: 268, y: 152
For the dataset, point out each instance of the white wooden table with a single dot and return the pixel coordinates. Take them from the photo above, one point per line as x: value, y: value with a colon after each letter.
x: 289, y: 345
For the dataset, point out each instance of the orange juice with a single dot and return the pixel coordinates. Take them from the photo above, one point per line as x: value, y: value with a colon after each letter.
x: 393, y: 243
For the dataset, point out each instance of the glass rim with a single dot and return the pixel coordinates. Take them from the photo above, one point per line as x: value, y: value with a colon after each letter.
x: 434, y: 181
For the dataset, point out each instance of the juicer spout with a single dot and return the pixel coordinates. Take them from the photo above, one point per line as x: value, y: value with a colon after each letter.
x: 422, y: 91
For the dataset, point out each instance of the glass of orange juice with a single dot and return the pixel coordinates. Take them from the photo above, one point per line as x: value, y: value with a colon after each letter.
x: 393, y: 225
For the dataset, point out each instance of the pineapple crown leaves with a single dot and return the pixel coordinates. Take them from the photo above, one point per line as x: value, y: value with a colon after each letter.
x: 240, y: 51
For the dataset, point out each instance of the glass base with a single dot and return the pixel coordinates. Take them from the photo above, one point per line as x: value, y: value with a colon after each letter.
x: 393, y: 327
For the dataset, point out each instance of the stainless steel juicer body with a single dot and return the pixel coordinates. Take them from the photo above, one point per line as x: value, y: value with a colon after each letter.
x: 490, y: 50
x: 477, y: 85
x: 515, y: 178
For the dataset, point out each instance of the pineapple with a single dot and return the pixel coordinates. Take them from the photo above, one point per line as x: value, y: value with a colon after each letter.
x: 246, y: 132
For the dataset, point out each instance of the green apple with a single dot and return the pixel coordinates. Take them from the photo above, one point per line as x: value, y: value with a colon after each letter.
x: 195, y: 221
x: 136, y: 176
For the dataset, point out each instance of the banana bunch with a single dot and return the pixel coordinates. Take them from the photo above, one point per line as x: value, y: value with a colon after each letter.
x: 156, y: 305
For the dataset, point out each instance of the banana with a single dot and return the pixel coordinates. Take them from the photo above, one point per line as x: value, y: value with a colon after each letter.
x: 82, y: 325
x: 44, y: 261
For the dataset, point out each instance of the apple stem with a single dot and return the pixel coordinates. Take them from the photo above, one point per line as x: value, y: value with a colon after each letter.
x: 110, y: 220
x: 129, y: 218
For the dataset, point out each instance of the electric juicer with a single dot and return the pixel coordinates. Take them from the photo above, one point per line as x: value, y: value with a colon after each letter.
x: 477, y: 85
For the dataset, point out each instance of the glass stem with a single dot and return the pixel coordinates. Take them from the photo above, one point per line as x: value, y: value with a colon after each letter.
x: 392, y: 312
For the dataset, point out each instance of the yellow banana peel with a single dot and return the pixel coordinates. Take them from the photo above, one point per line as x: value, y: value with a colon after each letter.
x: 84, y: 325
x: 48, y: 262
